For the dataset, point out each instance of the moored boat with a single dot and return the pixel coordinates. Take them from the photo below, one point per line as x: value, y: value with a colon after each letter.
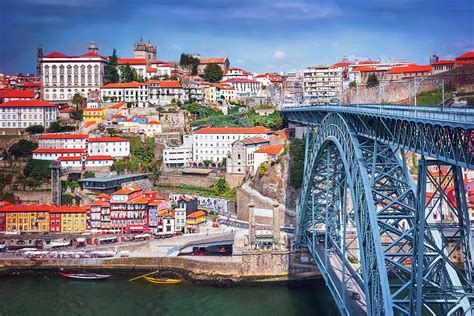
x: 162, y: 280
x: 85, y: 276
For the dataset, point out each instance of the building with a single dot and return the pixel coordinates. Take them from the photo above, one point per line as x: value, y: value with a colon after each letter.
x: 180, y: 223
x: 180, y: 156
x: 194, y: 220
x: 87, y: 162
x: 190, y: 204
x: 234, y: 73
x: 23, y: 113
x: 224, y: 63
x: 72, y: 218
x: 122, y: 214
x: 55, y: 153
x: 26, y: 218
x: 266, y: 153
x: 15, y: 95
x: 211, y: 94
x: 135, y: 93
x: 322, y: 84
x: 228, y: 93
x: 468, y: 56
x: 140, y: 65
x: 63, y: 76
x: 113, y: 146
x: 63, y: 141
x: 409, y: 71
x: 244, y: 87
x: 162, y: 92
x: 93, y: 115
x: 144, y: 50
x: 215, y: 143
x: 241, y: 158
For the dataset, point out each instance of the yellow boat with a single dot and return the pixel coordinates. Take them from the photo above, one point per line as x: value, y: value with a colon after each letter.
x: 162, y: 281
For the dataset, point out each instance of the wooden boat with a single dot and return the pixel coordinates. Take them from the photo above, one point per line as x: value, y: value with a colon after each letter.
x: 162, y: 281
x: 85, y: 276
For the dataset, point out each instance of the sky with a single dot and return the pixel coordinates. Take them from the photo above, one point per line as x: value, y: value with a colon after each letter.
x: 257, y: 35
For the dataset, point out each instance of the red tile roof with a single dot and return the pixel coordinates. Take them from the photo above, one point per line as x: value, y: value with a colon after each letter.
x: 132, y: 84
x: 196, y: 214
x: 468, y: 55
x: 139, y: 200
x: 26, y: 104
x: 363, y: 69
x: 99, y: 158
x: 243, y: 80
x: 367, y: 62
x: 234, y: 130
x: 69, y: 158
x: 90, y: 54
x: 212, y: 60
x: 107, y: 139
x: 118, y: 105
x: 127, y: 190
x: 58, y: 150
x: 90, y: 123
x: 55, y: 55
x: 64, y: 136
x: 165, y: 83
x: 151, y: 69
x: 93, y: 109
x: 410, y: 68
x: 68, y: 209
x: 341, y: 64
x: 66, y: 110
x: 131, y: 61
x: 444, y: 62
x: 154, y: 122
x: 270, y: 149
x: 31, y: 84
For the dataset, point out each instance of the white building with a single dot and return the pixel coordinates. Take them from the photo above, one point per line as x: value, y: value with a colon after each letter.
x: 20, y: 114
x: 244, y: 87
x: 236, y: 73
x: 14, y: 95
x: 241, y: 158
x: 180, y: 219
x: 179, y: 156
x: 132, y: 92
x: 138, y: 64
x: 162, y: 92
x: 55, y: 153
x: 90, y: 162
x: 215, y: 143
x: 113, y: 146
x: 266, y: 153
x: 322, y: 84
x: 160, y: 69
x: 62, y: 76
x: 63, y: 141
x: 228, y: 93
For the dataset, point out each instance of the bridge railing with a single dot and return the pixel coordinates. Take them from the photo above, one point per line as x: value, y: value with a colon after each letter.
x: 460, y: 115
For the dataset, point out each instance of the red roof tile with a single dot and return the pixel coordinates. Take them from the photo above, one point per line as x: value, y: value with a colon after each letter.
x: 26, y: 104
x: 196, y: 214
x: 444, y: 62
x: 31, y: 84
x: 107, y: 139
x: 363, y: 69
x: 55, y: 55
x: 270, y: 149
x: 468, y: 55
x: 69, y: 158
x: 154, y: 122
x: 410, y: 68
x: 234, y: 130
x: 64, y: 136
x: 131, y: 61
x: 341, y: 64
x: 212, y: 60
x: 58, y: 150
x: 151, y: 69
x: 99, y: 158
x: 91, y: 54
x: 165, y: 83
x: 132, y: 84
x: 118, y: 105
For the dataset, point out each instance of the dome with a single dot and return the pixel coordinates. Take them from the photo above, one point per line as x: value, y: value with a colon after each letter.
x: 93, y: 47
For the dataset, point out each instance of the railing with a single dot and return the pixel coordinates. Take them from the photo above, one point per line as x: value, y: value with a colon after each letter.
x: 459, y: 115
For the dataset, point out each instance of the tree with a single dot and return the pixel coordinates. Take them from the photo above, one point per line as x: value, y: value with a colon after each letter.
x: 213, y: 73
x: 372, y: 81
x: 38, y: 169
x: 220, y: 186
x: 127, y: 74
x: 56, y: 127
x: 189, y: 63
x: 35, y: 129
x: 77, y: 100
x: 22, y: 148
x: 296, y: 162
x: 111, y: 74
x: 77, y: 115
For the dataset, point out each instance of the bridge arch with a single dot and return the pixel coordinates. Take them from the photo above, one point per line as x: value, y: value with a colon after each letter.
x: 353, y: 180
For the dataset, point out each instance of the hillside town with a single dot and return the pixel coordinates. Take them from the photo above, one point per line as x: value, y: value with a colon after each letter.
x: 104, y: 149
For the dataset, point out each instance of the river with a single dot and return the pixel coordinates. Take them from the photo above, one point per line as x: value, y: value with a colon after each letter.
x: 52, y: 295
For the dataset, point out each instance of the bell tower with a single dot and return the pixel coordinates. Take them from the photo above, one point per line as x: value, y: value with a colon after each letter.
x: 39, y: 59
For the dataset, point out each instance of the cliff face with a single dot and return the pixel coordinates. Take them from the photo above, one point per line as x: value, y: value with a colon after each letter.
x: 275, y: 183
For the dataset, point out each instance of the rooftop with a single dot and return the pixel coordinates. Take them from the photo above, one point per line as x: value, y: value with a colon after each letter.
x: 19, y: 94
x: 113, y: 178
x: 64, y: 136
x: 234, y: 130
x: 270, y: 149
x: 27, y: 104
x: 107, y: 139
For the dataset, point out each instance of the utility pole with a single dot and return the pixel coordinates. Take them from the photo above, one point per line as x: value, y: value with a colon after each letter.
x: 414, y: 88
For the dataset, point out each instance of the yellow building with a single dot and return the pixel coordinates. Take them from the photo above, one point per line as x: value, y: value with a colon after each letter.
x: 93, y: 115
x: 72, y: 218
x: 194, y: 219
x: 26, y: 218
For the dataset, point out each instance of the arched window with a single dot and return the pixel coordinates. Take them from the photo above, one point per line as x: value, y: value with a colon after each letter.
x: 76, y: 79
x: 69, y: 69
x: 61, y: 79
x: 89, y: 78
x: 61, y: 70
x: 83, y: 69
x: 46, y: 79
x: 96, y: 78
x: 76, y: 69
x: 46, y: 69
x: 96, y: 69
x: 54, y: 69
x: 83, y: 79
x: 89, y: 69
x: 69, y: 79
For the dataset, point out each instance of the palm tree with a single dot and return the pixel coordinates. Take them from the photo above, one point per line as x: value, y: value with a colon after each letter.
x: 77, y: 100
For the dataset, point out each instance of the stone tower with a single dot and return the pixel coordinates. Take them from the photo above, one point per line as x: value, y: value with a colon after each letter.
x: 39, y: 58
x: 145, y: 50
x: 93, y: 48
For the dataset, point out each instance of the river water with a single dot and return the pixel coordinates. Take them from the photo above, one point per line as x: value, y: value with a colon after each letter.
x: 52, y: 295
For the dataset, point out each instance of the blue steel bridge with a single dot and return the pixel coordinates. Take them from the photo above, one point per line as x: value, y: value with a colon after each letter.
x: 385, y: 244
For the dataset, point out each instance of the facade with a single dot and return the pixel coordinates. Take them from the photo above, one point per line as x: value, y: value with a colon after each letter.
x: 62, y: 76
x: 140, y: 65
x: 266, y: 153
x: 162, y: 92
x: 234, y: 73
x: 180, y: 220
x: 72, y: 218
x: 88, y: 162
x: 135, y: 93
x: 241, y: 158
x: 145, y: 50
x: 215, y: 143
x: 409, y: 71
x: 322, y: 84
x: 14, y: 95
x: 55, y: 153
x: 224, y: 63
x: 244, y: 87
x: 93, y: 115
x: 194, y: 220
x: 20, y: 114
x: 180, y: 156
x: 113, y: 146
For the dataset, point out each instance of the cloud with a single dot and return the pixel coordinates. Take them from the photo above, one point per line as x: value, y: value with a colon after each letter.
x: 278, y: 54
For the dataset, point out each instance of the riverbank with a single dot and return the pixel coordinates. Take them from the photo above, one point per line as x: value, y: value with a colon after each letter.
x: 203, y: 270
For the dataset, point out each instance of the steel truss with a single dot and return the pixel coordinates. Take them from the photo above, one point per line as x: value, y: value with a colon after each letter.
x: 354, y: 180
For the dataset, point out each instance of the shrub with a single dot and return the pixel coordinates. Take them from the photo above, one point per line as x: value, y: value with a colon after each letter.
x: 35, y: 129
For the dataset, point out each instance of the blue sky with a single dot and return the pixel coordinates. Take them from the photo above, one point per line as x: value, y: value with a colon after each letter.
x: 258, y: 35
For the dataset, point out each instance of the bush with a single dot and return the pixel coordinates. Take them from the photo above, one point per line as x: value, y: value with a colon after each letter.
x: 88, y: 174
x: 38, y: 170
x: 56, y: 127
x: 35, y: 129
x: 22, y: 148
x: 262, y: 169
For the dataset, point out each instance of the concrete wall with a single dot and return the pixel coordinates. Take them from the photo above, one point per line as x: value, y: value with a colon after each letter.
x: 234, y: 180
x: 203, y: 181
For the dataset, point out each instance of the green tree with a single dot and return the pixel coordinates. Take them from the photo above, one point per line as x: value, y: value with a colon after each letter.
x: 38, y: 169
x: 22, y: 148
x: 296, y: 162
x: 56, y: 127
x: 77, y: 115
x: 126, y: 74
x: 213, y: 73
x: 88, y: 174
x: 372, y: 81
x: 35, y: 129
x: 111, y: 74
x: 189, y: 63
x: 77, y: 100
x: 220, y: 186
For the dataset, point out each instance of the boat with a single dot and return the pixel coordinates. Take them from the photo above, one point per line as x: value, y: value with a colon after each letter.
x: 162, y: 281
x: 85, y: 276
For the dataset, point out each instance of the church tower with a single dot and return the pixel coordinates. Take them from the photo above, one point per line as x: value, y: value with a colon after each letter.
x: 93, y: 48
x: 39, y: 58
x: 145, y: 50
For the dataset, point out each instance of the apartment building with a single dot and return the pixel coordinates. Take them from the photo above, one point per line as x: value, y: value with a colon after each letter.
x: 322, y: 84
